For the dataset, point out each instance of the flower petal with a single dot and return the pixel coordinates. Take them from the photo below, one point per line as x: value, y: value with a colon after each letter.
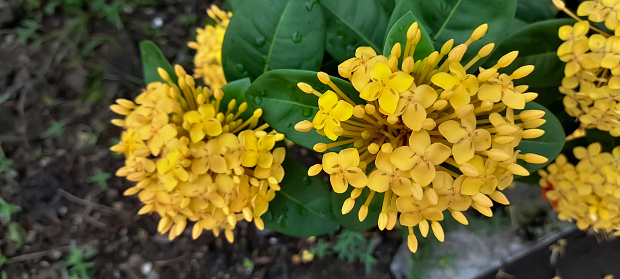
x: 399, y: 81
x: 378, y: 181
x: 403, y: 158
x: 356, y: 177
x: 437, y: 153
x: 463, y: 151
x: 452, y: 131
x: 419, y: 141
x: 423, y: 173
x: 413, y: 116
x: 388, y: 100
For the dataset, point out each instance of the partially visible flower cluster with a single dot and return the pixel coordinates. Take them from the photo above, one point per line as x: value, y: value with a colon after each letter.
x: 208, y: 58
x: 431, y: 137
x: 587, y: 193
x: 194, y: 159
x: 592, y: 73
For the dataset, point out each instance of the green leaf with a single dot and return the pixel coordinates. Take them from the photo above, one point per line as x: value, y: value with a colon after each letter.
x: 548, y: 145
x: 351, y: 220
x: 236, y: 90
x: 457, y: 19
x: 233, y: 5
x: 607, y: 141
x: 273, y: 34
x: 535, y: 10
x: 153, y: 58
x: 537, y: 44
x: 302, y: 207
x: 354, y: 23
x: 398, y: 34
x: 284, y: 104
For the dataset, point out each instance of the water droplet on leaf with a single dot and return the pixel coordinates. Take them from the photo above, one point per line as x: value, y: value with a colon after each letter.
x: 259, y: 42
x: 296, y: 37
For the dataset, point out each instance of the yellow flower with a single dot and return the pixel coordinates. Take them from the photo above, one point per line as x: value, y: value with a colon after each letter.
x: 413, y: 104
x: 357, y: 69
x: 465, y: 137
x: 331, y: 112
x: 208, y: 58
x: 430, y: 144
x: 458, y: 86
x: 421, y: 157
x: 343, y: 169
x: 587, y: 193
x: 193, y: 163
x: 592, y: 70
x: 386, y: 86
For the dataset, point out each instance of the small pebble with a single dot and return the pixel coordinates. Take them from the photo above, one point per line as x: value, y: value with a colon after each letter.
x: 146, y: 268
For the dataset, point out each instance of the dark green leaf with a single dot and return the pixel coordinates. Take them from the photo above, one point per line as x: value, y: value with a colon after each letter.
x: 273, y: 34
x: 153, y: 58
x: 398, y: 34
x: 284, y: 104
x: 302, y: 207
x: 535, y: 10
x: 351, y: 220
x: 236, y: 90
x: 537, y: 44
x: 457, y: 19
x: 548, y: 145
x: 354, y: 23
x: 604, y: 138
x: 233, y: 5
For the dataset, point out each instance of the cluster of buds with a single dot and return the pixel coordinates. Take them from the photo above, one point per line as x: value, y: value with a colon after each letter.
x: 430, y: 138
x: 194, y: 159
x: 587, y: 193
x: 591, y: 80
x: 208, y: 46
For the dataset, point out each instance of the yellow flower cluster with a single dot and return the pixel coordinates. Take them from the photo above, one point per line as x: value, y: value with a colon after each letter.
x: 587, y: 193
x: 592, y: 72
x: 194, y: 163
x: 208, y: 44
x: 431, y: 137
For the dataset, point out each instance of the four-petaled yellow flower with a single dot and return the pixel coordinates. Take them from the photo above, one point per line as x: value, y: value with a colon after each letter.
x: 357, y: 69
x: 465, y: 137
x: 343, y: 169
x: 331, y: 112
x: 386, y: 86
x: 420, y: 157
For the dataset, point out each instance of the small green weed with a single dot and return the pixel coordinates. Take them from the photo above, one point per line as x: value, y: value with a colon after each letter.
x: 78, y: 263
x: 100, y: 178
x: 6, y: 210
x: 350, y: 245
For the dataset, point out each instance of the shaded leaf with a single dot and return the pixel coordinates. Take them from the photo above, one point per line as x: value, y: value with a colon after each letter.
x: 398, y: 34
x: 535, y: 10
x: 354, y: 23
x: 457, y: 19
x: 153, y: 58
x: 265, y: 34
x: 284, y: 104
x: 302, y: 207
x: 236, y: 90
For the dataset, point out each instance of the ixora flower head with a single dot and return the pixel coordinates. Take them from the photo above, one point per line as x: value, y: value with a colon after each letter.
x: 587, y: 193
x: 208, y: 44
x: 591, y: 82
x: 430, y: 137
x: 194, y: 159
